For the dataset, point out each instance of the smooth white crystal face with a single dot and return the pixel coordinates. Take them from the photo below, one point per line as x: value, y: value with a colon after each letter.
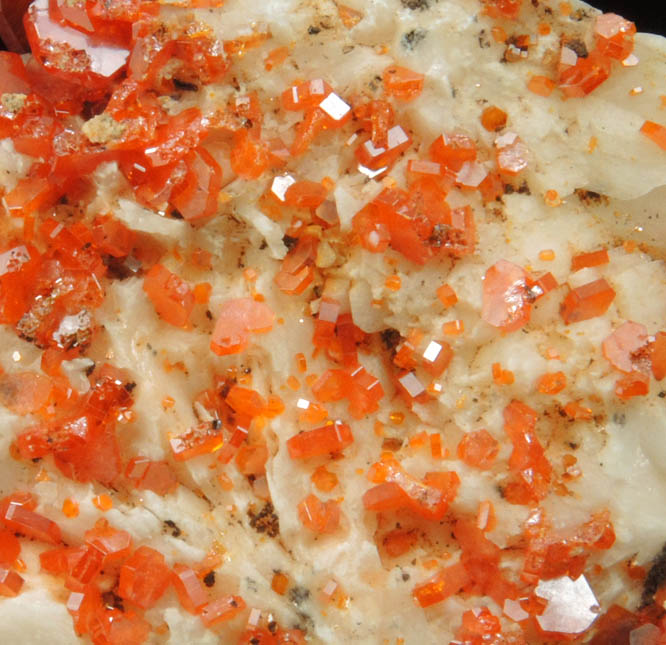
x: 572, y: 606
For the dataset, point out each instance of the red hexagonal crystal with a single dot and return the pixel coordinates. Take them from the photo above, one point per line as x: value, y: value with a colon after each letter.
x: 144, y: 577
x: 190, y: 591
x: 10, y: 582
x: 321, y: 441
x: 221, y: 610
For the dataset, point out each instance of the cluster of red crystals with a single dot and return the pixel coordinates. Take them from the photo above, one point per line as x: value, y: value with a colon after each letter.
x: 144, y: 577
x: 532, y: 470
x: 237, y: 319
x: 171, y: 296
x: 83, y: 440
x: 324, y: 110
x: 318, y: 516
x: 17, y: 514
x: 376, y: 118
x: 444, y: 584
x: 356, y: 384
x: 328, y: 439
x: 614, y: 40
x: 511, y: 154
x: 552, y: 554
x: 433, y: 357
x: 396, y: 490
x: 203, y: 439
x: 374, y: 159
x: 587, y: 301
x: 336, y: 333
x: 503, y: 8
x: 479, y: 626
x: 297, y: 270
x: 156, y: 476
x: 419, y: 224
x: 49, y: 297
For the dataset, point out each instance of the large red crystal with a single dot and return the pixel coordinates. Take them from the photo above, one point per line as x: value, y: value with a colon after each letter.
x: 144, y: 577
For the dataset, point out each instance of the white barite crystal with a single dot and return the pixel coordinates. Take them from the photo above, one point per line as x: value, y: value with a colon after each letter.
x: 568, y: 56
x: 280, y: 185
x: 13, y: 259
x: 514, y: 611
x: 432, y: 351
x: 572, y: 606
x: 335, y: 107
x: 471, y: 174
x: 412, y: 384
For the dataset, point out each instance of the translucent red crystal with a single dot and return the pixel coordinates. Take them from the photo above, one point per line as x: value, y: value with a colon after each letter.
x: 203, y: 439
x: 528, y: 461
x: 328, y: 439
x: 658, y: 355
x: 478, y: 449
x: 171, y: 296
x: 506, y: 299
x: 578, y: 76
x: 146, y: 474
x: 446, y: 583
x: 614, y: 36
x: 191, y: 593
x: 318, y: 516
x: 144, y: 577
x: 236, y: 320
x: 10, y: 582
x: 587, y: 301
x: 402, y: 83
x: 10, y: 548
x: 453, y: 150
x: 221, y: 609
x: 623, y: 348
x: 19, y: 518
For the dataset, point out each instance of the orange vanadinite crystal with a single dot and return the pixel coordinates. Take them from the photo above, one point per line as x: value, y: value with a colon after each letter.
x: 614, y: 36
x: 633, y: 384
x: 453, y: 150
x: 402, y: 83
x: 276, y: 57
x: 221, y: 609
x: 478, y: 449
x: 399, y: 541
x: 171, y: 296
x: 658, y: 355
x: 280, y: 583
x: 111, y: 236
x: 480, y: 626
x: 656, y: 132
x: 541, y: 85
x: 592, y: 259
x: 552, y: 383
x: 305, y: 95
x: 318, y: 516
x: 237, y: 319
x: 305, y: 194
x: 502, y: 376
x: 10, y: 582
x: 10, y: 548
x: 381, y: 157
x: 103, y: 502
x: 588, y: 301
x: 448, y: 582
x: 528, y: 461
x: 249, y: 155
x: 144, y: 577
x: 506, y: 299
x: 113, y: 544
x: 18, y: 515
x: 623, y: 348
x: 191, y: 594
x: 324, y: 480
x: 511, y: 154
x: 579, y: 76
x: 447, y: 296
x: 350, y: 17
x: 328, y: 439
x: 493, y: 118
x: 200, y: 440
x: 146, y: 474
x: 251, y: 459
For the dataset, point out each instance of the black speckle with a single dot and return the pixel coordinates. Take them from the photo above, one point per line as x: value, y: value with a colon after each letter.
x: 655, y: 578
x: 573, y: 445
x: 289, y: 241
x: 405, y: 576
x: 411, y: 39
x: 113, y: 601
x: 414, y: 5
x: 272, y: 627
x: 662, y: 394
x: 577, y: 46
x: 590, y: 197
x: 209, y: 314
x: 263, y: 245
x: 390, y: 337
x: 90, y: 369
x: 216, y: 424
x: 313, y: 31
x: 619, y: 418
x: 265, y: 521
x: 184, y: 86
x: 298, y: 595
x: 130, y: 386
x: 484, y: 43
x: 175, y: 531
x: 209, y: 579
x: 176, y: 214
